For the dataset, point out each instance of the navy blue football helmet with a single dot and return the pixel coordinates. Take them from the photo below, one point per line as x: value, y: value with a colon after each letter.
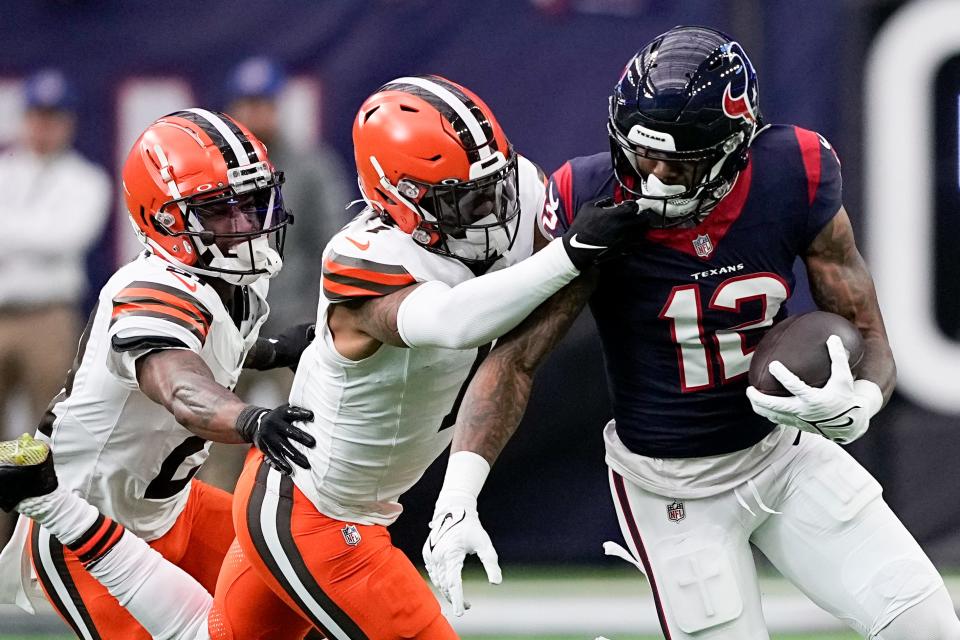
x: 689, y: 96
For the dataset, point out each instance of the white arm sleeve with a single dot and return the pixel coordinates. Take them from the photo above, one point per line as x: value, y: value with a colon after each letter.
x: 484, y: 308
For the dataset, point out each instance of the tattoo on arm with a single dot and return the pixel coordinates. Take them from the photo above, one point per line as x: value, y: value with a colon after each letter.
x: 182, y: 382
x: 841, y: 283
x: 497, y: 396
x: 377, y: 317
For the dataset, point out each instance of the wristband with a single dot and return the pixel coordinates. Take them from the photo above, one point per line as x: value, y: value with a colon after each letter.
x: 870, y: 394
x: 466, y: 474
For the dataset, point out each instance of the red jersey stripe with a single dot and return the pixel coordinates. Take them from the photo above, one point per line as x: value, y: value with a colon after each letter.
x: 810, y: 152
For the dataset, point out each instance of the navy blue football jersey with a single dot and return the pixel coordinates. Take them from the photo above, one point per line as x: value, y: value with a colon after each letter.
x: 680, y: 316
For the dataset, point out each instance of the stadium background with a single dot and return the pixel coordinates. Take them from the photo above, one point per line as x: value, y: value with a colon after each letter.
x: 546, y: 68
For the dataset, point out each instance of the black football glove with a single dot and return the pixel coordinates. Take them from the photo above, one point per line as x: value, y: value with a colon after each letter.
x: 281, y: 350
x: 600, y: 228
x: 271, y: 431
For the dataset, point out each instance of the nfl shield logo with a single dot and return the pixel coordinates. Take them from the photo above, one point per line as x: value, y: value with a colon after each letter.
x: 350, y: 535
x: 675, y: 511
x: 703, y: 245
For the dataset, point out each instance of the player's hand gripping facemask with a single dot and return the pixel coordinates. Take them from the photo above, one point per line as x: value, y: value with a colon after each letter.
x: 840, y: 410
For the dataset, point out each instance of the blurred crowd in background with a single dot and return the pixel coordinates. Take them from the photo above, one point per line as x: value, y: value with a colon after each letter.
x: 58, y: 204
x: 76, y: 85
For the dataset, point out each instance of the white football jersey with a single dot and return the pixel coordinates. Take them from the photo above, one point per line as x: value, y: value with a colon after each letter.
x: 113, y: 445
x: 123, y: 452
x: 379, y: 422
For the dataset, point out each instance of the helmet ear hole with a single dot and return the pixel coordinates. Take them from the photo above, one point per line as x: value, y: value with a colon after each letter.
x: 162, y: 221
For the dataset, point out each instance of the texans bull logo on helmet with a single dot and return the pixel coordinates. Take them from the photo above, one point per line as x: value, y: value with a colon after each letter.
x: 741, y: 106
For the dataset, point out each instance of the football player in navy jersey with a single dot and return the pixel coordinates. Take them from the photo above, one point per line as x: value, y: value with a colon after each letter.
x: 700, y: 465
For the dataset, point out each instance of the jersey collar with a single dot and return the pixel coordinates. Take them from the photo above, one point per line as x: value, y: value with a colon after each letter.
x: 714, y: 226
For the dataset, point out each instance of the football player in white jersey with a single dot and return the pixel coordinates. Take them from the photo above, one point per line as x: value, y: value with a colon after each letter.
x: 415, y: 289
x: 150, y: 386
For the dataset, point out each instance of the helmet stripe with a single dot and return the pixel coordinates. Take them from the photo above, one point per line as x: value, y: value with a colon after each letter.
x: 232, y: 139
x: 453, y: 109
x: 472, y: 106
x: 244, y: 140
x: 229, y: 155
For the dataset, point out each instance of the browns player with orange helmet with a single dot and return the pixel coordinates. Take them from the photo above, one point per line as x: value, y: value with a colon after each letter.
x: 184, y: 174
x: 150, y: 386
x: 443, y: 261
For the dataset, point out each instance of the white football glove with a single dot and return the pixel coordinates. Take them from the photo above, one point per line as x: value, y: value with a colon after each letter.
x: 455, y: 532
x: 840, y: 410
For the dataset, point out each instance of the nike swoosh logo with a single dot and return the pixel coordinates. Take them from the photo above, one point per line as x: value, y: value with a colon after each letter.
x: 817, y: 424
x: 191, y: 286
x: 363, y: 247
x: 580, y: 245
x: 443, y: 529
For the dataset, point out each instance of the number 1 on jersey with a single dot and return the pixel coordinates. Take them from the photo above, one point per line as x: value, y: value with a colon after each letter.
x: 695, y: 353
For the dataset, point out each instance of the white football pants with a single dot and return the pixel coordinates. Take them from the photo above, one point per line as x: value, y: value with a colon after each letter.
x: 819, y: 518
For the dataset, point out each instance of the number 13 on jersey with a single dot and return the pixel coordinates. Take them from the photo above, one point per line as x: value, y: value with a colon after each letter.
x: 697, y: 348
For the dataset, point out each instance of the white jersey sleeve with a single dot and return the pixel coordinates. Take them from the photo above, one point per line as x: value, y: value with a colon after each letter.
x: 369, y: 258
x: 163, y: 309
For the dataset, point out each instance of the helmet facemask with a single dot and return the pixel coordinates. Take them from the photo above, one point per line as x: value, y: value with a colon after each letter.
x: 474, y: 221
x: 237, y: 231
x: 713, y: 170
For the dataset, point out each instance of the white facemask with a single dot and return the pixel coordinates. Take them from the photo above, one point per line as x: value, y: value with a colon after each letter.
x: 262, y: 257
x: 474, y: 245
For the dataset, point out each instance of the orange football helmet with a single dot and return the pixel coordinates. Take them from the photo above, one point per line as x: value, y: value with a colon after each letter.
x: 202, y: 194
x: 432, y: 159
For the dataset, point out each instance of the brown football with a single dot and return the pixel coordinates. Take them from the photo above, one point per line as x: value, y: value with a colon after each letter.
x: 800, y: 343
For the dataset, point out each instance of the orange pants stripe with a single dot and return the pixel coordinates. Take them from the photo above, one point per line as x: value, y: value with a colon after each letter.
x: 347, y: 579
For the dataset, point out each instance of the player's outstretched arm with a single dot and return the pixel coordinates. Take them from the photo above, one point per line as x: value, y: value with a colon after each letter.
x: 474, y: 312
x: 841, y: 283
x: 498, y: 394
x: 182, y: 382
x: 492, y: 408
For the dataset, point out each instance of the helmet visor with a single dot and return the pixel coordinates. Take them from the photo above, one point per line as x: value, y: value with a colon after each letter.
x: 474, y: 221
x: 488, y: 201
x: 234, y: 223
x: 238, y: 215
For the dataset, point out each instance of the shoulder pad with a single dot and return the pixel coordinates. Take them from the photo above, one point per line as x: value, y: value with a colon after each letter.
x: 170, y: 299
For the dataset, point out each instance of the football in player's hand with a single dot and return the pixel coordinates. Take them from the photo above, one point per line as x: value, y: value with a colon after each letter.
x: 800, y: 343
